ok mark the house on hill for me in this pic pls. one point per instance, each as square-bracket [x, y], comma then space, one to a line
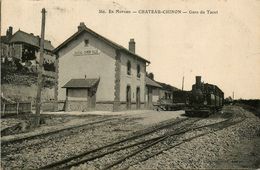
[4, 43]
[119, 73]
[25, 48]
[19, 65]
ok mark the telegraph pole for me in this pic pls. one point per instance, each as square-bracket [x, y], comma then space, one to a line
[40, 70]
[182, 83]
[1, 28]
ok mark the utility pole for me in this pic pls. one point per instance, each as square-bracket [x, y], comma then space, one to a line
[182, 83]
[40, 72]
[1, 28]
[233, 95]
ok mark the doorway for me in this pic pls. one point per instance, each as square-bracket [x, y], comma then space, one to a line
[138, 103]
[92, 98]
[128, 97]
[150, 97]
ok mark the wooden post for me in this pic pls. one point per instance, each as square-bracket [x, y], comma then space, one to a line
[17, 108]
[1, 29]
[4, 109]
[182, 83]
[31, 107]
[40, 71]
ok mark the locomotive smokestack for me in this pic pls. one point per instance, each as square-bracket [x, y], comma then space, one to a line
[198, 80]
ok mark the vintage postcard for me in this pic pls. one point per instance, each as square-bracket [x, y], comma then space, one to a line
[130, 84]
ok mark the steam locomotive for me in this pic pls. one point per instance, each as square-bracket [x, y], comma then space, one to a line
[204, 99]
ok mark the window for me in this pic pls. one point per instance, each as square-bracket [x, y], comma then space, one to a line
[86, 42]
[166, 95]
[129, 68]
[138, 71]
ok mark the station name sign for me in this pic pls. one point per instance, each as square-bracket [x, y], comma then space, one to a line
[87, 52]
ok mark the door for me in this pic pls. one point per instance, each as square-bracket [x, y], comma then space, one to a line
[92, 98]
[138, 98]
[150, 97]
[128, 97]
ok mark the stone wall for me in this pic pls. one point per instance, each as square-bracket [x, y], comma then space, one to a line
[104, 107]
[116, 104]
[61, 105]
[76, 105]
[133, 106]
[26, 93]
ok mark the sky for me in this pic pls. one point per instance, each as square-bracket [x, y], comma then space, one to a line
[223, 48]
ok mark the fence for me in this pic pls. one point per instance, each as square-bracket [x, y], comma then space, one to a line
[16, 108]
[48, 106]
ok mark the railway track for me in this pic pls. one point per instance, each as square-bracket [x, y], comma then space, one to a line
[17, 145]
[170, 141]
[53, 132]
[143, 140]
[140, 143]
[120, 143]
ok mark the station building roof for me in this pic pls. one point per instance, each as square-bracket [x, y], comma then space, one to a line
[150, 82]
[81, 83]
[84, 28]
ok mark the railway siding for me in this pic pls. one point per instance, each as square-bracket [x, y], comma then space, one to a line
[124, 158]
[62, 146]
[47, 131]
[204, 147]
[216, 150]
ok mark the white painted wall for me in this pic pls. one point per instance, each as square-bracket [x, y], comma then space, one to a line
[93, 66]
[156, 94]
[132, 79]
[78, 94]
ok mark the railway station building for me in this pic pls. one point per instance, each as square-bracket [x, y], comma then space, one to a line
[153, 90]
[166, 92]
[95, 73]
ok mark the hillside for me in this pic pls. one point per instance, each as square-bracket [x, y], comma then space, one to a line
[21, 84]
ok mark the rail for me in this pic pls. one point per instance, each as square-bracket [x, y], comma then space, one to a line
[145, 144]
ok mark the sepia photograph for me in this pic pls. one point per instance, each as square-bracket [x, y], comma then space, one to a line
[130, 84]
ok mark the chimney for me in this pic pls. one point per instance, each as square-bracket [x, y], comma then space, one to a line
[132, 45]
[9, 32]
[151, 76]
[81, 26]
[198, 80]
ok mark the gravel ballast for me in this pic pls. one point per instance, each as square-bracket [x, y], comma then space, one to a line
[219, 149]
[64, 146]
[213, 150]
